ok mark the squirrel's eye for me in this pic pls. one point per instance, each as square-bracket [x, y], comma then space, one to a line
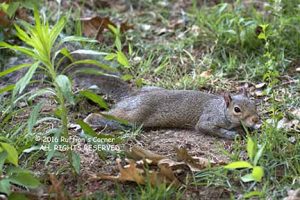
[237, 109]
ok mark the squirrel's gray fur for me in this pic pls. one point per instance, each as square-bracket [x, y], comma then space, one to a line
[155, 107]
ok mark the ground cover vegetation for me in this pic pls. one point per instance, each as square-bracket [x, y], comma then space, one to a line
[212, 46]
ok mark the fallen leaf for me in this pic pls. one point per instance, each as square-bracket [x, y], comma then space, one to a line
[195, 164]
[21, 13]
[174, 24]
[169, 176]
[4, 21]
[166, 172]
[127, 173]
[171, 163]
[94, 26]
[57, 188]
[260, 85]
[138, 153]
[132, 173]
[206, 74]
[125, 27]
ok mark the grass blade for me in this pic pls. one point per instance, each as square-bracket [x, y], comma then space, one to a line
[77, 39]
[23, 82]
[34, 116]
[14, 68]
[238, 164]
[57, 30]
[250, 148]
[76, 162]
[7, 88]
[258, 155]
[89, 131]
[95, 98]
[24, 50]
[91, 62]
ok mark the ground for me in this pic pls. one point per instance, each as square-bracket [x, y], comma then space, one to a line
[211, 46]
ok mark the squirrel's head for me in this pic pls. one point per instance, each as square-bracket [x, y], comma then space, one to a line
[240, 109]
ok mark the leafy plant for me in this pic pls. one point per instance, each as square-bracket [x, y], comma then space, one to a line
[40, 40]
[118, 55]
[254, 153]
[13, 174]
[9, 11]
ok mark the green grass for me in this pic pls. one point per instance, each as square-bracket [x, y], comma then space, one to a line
[229, 42]
[232, 30]
[226, 42]
[158, 192]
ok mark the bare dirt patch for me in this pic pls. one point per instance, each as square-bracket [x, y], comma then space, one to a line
[162, 142]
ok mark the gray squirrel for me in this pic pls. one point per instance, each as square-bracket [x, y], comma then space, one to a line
[155, 107]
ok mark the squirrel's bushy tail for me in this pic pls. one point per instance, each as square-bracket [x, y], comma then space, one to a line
[89, 75]
[111, 85]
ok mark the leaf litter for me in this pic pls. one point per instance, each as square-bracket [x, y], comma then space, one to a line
[147, 166]
[94, 26]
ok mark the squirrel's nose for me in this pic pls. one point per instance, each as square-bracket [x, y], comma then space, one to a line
[256, 122]
[255, 119]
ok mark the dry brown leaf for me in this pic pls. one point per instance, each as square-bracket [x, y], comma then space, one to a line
[169, 176]
[165, 175]
[21, 13]
[174, 24]
[125, 27]
[167, 168]
[94, 26]
[138, 153]
[127, 173]
[171, 163]
[132, 173]
[57, 188]
[4, 21]
[195, 164]
[206, 74]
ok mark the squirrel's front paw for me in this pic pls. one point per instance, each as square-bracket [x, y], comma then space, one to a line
[94, 120]
[228, 134]
[98, 121]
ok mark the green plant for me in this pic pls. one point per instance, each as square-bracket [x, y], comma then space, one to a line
[12, 174]
[41, 40]
[118, 55]
[235, 36]
[254, 152]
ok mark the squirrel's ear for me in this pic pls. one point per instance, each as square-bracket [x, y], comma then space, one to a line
[244, 92]
[227, 98]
